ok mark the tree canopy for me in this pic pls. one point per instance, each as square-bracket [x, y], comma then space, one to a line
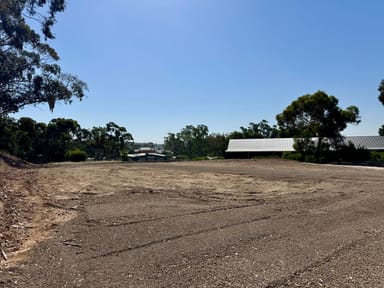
[256, 130]
[381, 130]
[53, 142]
[29, 73]
[316, 115]
[195, 141]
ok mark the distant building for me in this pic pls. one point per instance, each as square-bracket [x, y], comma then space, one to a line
[146, 150]
[147, 154]
[250, 147]
[147, 157]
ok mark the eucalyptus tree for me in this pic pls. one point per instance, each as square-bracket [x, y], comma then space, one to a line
[316, 115]
[191, 141]
[60, 138]
[109, 142]
[118, 139]
[29, 73]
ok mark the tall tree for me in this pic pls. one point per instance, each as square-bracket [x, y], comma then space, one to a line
[118, 139]
[193, 138]
[24, 139]
[28, 70]
[8, 126]
[190, 141]
[109, 142]
[60, 137]
[216, 144]
[174, 144]
[316, 115]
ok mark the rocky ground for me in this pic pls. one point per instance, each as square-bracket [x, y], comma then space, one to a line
[254, 223]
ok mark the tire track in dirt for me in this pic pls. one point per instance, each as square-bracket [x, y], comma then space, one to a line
[180, 215]
[167, 239]
[288, 280]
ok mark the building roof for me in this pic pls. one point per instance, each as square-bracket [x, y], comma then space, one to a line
[261, 145]
[286, 144]
[367, 142]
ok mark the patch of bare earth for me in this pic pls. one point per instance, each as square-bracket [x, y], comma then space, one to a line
[27, 213]
[263, 223]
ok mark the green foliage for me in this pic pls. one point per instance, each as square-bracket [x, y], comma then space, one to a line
[381, 92]
[7, 126]
[215, 145]
[293, 156]
[306, 148]
[108, 142]
[199, 159]
[174, 144]
[377, 156]
[381, 131]
[60, 134]
[316, 115]
[190, 141]
[350, 153]
[305, 152]
[194, 142]
[40, 143]
[29, 73]
[256, 130]
[23, 138]
[124, 156]
[76, 155]
[182, 157]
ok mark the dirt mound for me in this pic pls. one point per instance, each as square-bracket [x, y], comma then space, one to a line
[12, 161]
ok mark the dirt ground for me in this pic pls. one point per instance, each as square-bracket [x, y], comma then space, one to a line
[231, 223]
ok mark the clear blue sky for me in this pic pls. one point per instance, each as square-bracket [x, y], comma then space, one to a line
[155, 66]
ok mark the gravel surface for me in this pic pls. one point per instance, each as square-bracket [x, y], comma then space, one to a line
[242, 223]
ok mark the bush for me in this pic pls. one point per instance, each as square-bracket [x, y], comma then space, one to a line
[124, 156]
[350, 153]
[377, 156]
[293, 156]
[76, 155]
[182, 157]
[199, 158]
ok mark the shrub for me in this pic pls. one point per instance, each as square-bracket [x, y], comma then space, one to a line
[124, 156]
[293, 156]
[182, 157]
[199, 158]
[377, 156]
[351, 153]
[76, 155]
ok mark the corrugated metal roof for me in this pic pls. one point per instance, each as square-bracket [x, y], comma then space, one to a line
[261, 145]
[368, 142]
[286, 144]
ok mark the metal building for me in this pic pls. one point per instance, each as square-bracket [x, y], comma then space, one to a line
[279, 145]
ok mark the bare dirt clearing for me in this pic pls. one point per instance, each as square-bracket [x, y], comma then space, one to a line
[262, 223]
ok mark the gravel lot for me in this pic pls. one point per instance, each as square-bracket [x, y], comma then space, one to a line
[230, 223]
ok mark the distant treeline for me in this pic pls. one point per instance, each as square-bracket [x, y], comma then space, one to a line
[195, 141]
[62, 139]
